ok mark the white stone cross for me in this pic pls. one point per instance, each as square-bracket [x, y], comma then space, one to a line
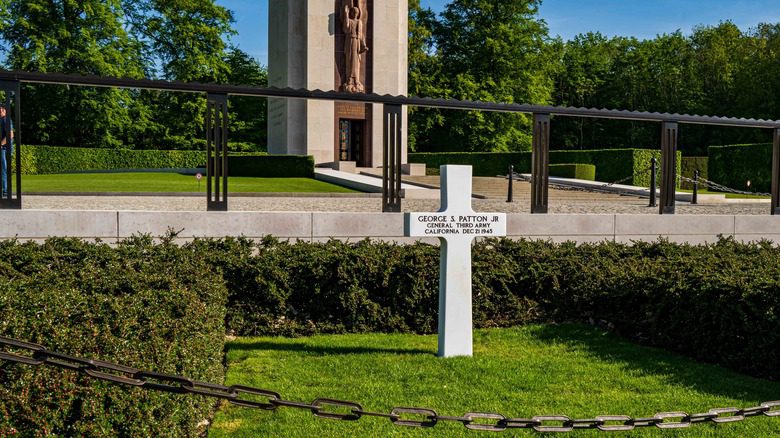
[456, 225]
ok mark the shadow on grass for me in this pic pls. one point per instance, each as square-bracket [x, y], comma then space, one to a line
[676, 368]
[304, 347]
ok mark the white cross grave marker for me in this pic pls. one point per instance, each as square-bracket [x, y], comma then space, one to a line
[456, 225]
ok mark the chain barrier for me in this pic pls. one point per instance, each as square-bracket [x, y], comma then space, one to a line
[720, 188]
[597, 189]
[342, 410]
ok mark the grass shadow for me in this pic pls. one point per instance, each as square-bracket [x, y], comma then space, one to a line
[676, 368]
[303, 347]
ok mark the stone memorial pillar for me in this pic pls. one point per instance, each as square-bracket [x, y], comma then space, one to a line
[352, 46]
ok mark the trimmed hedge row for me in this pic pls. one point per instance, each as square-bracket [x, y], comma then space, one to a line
[585, 172]
[162, 307]
[691, 164]
[37, 160]
[157, 307]
[733, 166]
[718, 303]
[611, 164]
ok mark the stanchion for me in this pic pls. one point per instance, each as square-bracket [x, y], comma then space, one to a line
[695, 197]
[653, 182]
[509, 197]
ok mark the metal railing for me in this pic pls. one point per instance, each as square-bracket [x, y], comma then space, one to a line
[393, 105]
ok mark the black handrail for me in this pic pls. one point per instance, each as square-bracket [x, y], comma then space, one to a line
[241, 90]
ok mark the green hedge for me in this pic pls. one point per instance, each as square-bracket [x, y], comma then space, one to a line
[585, 172]
[733, 166]
[691, 164]
[611, 164]
[157, 307]
[718, 303]
[161, 307]
[37, 160]
[272, 166]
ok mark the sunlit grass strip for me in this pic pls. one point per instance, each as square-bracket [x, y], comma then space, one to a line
[568, 370]
[169, 182]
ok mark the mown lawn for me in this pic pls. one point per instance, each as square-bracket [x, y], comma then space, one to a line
[728, 195]
[571, 370]
[168, 182]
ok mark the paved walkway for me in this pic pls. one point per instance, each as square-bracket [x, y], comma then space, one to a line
[626, 205]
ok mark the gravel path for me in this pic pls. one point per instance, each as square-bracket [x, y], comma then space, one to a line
[153, 203]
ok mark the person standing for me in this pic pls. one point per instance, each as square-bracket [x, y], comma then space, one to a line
[6, 146]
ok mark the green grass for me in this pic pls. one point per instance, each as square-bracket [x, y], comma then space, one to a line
[569, 370]
[168, 182]
[728, 195]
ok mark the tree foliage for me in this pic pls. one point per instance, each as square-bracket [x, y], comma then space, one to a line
[490, 50]
[180, 40]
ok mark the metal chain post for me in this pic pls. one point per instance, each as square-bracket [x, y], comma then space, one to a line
[653, 182]
[509, 196]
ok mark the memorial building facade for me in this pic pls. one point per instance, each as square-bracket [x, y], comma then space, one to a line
[353, 46]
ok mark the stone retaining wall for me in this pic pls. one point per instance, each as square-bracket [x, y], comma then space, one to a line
[316, 226]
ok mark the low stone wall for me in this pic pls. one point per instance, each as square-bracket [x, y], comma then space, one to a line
[315, 226]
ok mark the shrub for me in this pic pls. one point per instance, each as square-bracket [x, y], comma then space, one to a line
[585, 172]
[733, 166]
[719, 303]
[611, 164]
[691, 164]
[37, 160]
[154, 307]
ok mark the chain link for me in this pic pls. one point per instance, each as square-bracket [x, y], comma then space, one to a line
[720, 188]
[350, 411]
[596, 189]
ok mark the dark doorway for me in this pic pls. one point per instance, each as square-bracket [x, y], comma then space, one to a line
[351, 140]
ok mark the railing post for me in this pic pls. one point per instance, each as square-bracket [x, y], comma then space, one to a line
[217, 152]
[11, 125]
[695, 197]
[509, 196]
[653, 182]
[668, 167]
[391, 164]
[776, 172]
[540, 170]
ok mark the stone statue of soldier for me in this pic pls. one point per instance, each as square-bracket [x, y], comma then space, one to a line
[353, 14]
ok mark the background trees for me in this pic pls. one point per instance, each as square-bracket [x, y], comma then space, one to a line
[490, 50]
[501, 51]
[180, 40]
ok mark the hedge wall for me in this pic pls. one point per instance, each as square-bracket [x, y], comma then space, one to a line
[718, 303]
[38, 160]
[689, 165]
[585, 172]
[154, 307]
[162, 307]
[733, 166]
[611, 164]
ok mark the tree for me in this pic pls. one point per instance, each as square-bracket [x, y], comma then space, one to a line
[248, 115]
[68, 36]
[424, 70]
[490, 50]
[185, 40]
